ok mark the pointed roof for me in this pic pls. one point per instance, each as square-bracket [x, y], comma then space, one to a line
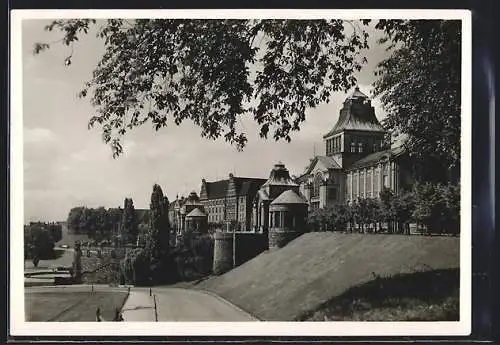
[192, 199]
[280, 176]
[196, 213]
[326, 161]
[356, 118]
[288, 197]
[357, 94]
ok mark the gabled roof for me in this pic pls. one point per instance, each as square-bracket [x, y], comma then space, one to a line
[288, 197]
[248, 185]
[217, 189]
[196, 213]
[243, 186]
[326, 161]
[375, 157]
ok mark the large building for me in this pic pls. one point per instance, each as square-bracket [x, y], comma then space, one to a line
[230, 200]
[356, 164]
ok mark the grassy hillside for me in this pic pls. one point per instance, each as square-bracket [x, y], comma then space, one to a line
[291, 282]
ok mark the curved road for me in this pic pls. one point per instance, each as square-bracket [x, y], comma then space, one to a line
[173, 304]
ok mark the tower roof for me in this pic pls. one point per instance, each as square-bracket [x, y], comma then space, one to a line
[356, 115]
[357, 94]
[288, 197]
[279, 176]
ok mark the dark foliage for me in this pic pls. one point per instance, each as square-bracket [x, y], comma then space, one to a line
[215, 72]
[419, 85]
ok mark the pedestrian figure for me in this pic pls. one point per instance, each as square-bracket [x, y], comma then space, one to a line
[118, 315]
[98, 317]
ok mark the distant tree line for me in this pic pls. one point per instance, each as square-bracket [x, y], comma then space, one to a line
[435, 207]
[40, 239]
[104, 224]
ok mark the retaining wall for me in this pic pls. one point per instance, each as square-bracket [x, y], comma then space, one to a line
[278, 238]
[247, 246]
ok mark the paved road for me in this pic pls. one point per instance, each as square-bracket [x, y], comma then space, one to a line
[173, 304]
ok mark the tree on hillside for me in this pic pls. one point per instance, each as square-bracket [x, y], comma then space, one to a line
[39, 244]
[451, 197]
[102, 223]
[214, 72]
[429, 206]
[74, 219]
[385, 207]
[402, 208]
[129, 221]
[420, 85]
[55, 231]
[159, 236]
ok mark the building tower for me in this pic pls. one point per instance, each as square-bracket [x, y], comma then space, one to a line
[357, 132]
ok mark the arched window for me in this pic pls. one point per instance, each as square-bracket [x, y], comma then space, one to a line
[386, 175]
[318, 179]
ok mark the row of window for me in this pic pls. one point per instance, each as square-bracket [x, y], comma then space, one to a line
[360, 147]
[361, 184]
[334, 145]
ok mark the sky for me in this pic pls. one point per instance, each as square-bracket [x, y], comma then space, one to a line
[67, 165]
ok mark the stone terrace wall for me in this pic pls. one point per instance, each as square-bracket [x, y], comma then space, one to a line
[248, 245]
[223, 252]
[279, 238]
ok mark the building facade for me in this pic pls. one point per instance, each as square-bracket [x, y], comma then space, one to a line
[356, 163]
[230, 200]
[280, 215]
[187, 214]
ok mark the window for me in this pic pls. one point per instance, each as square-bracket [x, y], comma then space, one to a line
[277, 219]
[369, 183]
[362, 184]
[353, 147]
[376, 178]
[355, 186]
[349, 186]
[360, 147]
[332, 193]
[288, 220]
[316, 185]
[386, 176]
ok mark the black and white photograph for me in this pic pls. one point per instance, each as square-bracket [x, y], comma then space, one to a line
[241, 172]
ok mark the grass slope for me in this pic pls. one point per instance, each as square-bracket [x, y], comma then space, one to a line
[285, 284]
[72, 306]
[421, 296]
